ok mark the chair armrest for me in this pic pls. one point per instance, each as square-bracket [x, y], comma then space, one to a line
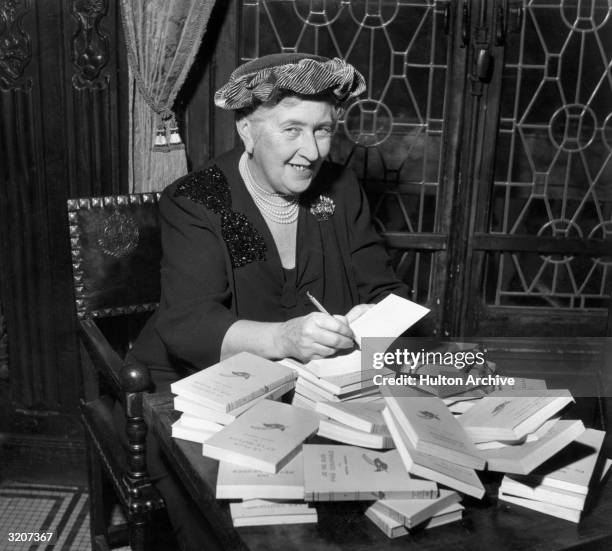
[108, 363]
[105, 360]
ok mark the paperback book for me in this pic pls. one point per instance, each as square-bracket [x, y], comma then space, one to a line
[412, 512]
[266, 439]
[194, 409]
[553, 509]
[524, 458]
[366, 417]
[239, 482]
[180, 430]
[394, 529]
[328, 428]
[349, 473]
[566, 478]
[510, 417]
[433, 467]
[389, 318]
[233, 382]
[260, 512]
[431, 427]
[575, 467]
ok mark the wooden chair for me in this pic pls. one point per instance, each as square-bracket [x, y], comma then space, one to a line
[116, 252]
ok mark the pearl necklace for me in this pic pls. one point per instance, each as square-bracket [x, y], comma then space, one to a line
[274, 206]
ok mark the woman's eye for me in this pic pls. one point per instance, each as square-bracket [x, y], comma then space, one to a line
[323, 132]
[292, 131]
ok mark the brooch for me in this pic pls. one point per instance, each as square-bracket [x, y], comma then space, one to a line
[322, 208]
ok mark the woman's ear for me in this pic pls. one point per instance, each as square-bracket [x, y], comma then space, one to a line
[245, 130]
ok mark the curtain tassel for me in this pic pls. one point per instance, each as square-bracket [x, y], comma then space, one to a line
[160, 137]
[167, 135]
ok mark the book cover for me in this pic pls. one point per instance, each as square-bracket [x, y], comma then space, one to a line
[179, 430]
[266, 439]
[572, 469]
[390, 527]
[337, 384]
[521, 384]
[239, 482]
[199, 423]
[412, 512]
[433, 467]
[261, 513]
[194, 409]
[394, 529]
[366, 417]
[349, 473]
[303, 402]
[546, 494]
[531, 437]
[554, 509]
[547, 508]
[431, 427]
[452, 513]
[357, 392]
[328, 428]
[360, 379]
[340, 364]
[524, 458]
[510, 417]
[233, 382]
[389, 318]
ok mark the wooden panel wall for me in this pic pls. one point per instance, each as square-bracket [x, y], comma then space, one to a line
[63, 133]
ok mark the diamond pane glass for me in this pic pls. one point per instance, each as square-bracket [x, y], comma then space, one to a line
[553, 172]
[392, 135]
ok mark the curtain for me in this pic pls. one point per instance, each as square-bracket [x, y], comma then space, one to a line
[162, 40]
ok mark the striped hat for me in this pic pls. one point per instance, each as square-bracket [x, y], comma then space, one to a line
[261, 79]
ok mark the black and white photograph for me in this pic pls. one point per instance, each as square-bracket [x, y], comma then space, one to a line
[311, 275]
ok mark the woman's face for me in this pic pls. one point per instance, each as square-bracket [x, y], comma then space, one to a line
[287, 143]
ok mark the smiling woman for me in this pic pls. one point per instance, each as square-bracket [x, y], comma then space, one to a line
[246, 239]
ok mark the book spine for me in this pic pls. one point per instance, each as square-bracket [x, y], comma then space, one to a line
[387, 530]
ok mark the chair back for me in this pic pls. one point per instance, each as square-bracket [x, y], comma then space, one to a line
[116, 252]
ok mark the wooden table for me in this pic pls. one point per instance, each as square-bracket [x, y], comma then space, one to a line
[487, 524]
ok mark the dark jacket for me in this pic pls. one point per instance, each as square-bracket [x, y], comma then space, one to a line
[220, 263]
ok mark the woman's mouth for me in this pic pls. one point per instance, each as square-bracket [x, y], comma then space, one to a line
[300, 168]
[303, 171]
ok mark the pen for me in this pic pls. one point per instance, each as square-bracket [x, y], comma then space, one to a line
[317, 304]
[322, 309]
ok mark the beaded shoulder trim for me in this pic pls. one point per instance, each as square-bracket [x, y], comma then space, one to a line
[209, 187]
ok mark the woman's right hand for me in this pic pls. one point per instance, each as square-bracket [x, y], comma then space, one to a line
[313, 336]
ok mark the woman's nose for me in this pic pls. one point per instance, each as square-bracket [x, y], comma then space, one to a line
[309, 148]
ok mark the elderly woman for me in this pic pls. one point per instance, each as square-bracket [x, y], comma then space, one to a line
[248, 236]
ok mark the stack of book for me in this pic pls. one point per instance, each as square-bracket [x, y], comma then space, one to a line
[395, 517]
[260, 512]
[337, 379]
[517, 433]
[218, 395]
[266, 498]
[431, 442]
[356, 423]
[244, 483]
[562, 485]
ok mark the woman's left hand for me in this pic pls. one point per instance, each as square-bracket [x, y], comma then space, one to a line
[357, 311]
